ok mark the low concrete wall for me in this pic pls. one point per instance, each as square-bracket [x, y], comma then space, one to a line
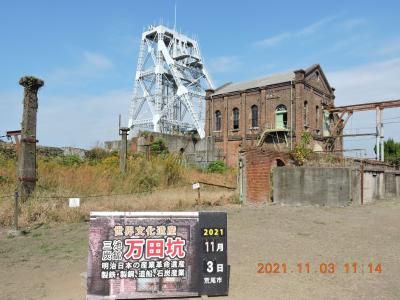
[193, 150]
[390, 184]
[305, 185]
[333, 186]
[397, 184]
[374, 186]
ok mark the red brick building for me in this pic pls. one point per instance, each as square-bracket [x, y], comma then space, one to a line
[273, 111]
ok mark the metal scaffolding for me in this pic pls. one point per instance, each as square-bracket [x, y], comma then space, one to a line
[170, 83]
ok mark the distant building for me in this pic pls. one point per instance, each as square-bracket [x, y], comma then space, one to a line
[274, 110]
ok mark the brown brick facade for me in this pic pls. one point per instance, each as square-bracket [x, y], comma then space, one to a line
[257, 164]
[304, 96]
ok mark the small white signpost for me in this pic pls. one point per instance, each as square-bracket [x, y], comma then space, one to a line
[74, 202]
[196, 186]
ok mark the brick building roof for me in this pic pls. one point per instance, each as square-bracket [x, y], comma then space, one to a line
[260, 82]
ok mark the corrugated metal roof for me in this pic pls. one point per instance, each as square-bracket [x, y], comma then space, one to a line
[260, 82]
[245, 85]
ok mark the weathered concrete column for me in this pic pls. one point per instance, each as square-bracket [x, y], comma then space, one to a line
[26, 172]
[123, 132]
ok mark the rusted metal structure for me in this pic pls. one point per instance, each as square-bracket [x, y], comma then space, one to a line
[345, 112]
[16, 134]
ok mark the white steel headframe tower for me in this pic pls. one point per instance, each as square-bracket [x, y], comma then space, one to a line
[171, 79]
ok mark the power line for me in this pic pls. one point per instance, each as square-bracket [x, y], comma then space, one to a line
[392, 122]
[361, 139]
[391, 118]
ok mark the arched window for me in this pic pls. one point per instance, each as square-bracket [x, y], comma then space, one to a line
[281, 117]
[280, 163]
[254, 116]
[236, 118]
[217, 120]
[305, 113]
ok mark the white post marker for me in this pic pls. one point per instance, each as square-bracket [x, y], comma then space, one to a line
[196, 185]
[74, 202]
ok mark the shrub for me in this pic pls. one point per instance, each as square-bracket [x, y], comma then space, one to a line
[217, 166]
[172, 169]
[159, 147]
[96, 154]
[70, 160]
[301, 151]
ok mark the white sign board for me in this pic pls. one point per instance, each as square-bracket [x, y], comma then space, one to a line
[74, 202]
[196, 186]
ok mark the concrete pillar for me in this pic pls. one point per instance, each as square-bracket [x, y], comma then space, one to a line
[123, 132]
[26, 172]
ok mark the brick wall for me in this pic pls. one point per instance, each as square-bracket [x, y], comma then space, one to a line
[257, 165]
[307, 87]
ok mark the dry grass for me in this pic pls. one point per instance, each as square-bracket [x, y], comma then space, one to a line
[40, 210]
[160, 184]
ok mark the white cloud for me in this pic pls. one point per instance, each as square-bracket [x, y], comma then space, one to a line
[301, 33]
[82, 120]
[79, 120]
[93, 65]
[274, 40]
[390, 48]
[372, 82]
[352, 23]
[97, 61]
[314, 27]
[356, 43]
[10, 111]
[224, 64]
[375, 81]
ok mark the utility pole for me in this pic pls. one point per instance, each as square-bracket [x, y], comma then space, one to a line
[123, 132]
[26, 172]
[382, 136]
[378, 133]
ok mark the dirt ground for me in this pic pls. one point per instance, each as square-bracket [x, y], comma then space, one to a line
[50, 262]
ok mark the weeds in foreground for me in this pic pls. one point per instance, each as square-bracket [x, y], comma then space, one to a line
[156, 184]
[41, 210]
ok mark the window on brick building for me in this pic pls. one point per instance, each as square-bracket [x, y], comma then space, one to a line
[236, 118]
[217, 120]
[305, 113]
[281, 117]
[317, 117]
[254, 116]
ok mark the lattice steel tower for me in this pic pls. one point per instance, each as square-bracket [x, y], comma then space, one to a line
[170, 83]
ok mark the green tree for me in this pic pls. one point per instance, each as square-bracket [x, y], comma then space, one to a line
[392, 152]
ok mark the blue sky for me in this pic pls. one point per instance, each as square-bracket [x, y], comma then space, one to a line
[86, 52]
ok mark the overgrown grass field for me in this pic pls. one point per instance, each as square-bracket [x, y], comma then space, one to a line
[162, 182]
